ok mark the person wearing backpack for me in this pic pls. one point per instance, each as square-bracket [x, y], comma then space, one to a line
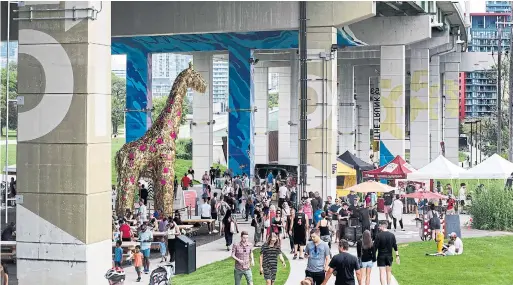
[434, 220]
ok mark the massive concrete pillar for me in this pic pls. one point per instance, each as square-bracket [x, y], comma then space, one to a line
[241, 115]
[322, 110]
[138, 94]
[362, 91]
[434, 107]
[419, 108]
[450, 82]
[202, 125]
[392, 85]
[294, 110]
[284, 116]
[64, 225]
[346, 109]
[261, 116]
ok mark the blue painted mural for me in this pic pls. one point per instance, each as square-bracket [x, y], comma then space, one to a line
[241, 97]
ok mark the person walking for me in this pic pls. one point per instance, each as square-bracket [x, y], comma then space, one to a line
[318, 253]
[384, 243]
[230, 227]
[324, 228]
[397, 212]
[243, 255]
[269, 254]
[205, 214]
[299, 228]
[367, 256]
[213, 211]
[258, 224]
[205, 179]
[388, 199]
[146, 237]
[172, 232]
[345, 264]
[434, 220]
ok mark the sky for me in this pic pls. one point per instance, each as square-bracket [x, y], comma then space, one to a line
[477, 6]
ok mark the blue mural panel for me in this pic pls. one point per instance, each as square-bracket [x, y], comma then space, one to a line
[239, 47]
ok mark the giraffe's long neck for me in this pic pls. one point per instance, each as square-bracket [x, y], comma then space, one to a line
[172, 110]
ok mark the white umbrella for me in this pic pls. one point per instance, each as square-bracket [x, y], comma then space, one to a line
[371, 186]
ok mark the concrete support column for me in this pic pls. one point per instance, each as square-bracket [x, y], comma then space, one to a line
[284, 116]
[434, 107]
[346, 109]
[323, 107]
[362, 91]
[451, 113]
[64, 225]
[392, 85]
[202, 126]
[294, 110]
[419, 108]
[262, 114]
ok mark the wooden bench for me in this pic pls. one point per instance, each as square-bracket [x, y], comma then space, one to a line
[197, 221]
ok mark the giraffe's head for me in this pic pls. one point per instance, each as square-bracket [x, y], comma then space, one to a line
[195, 80]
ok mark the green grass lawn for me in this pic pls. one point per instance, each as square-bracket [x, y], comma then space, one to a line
[485, 261]
[221, 273]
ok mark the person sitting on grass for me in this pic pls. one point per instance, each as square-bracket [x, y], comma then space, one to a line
[448, 250]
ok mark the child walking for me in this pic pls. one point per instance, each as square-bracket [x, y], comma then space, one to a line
[163, 250]
[118, 254]
[138, 258]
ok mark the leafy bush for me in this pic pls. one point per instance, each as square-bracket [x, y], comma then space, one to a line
[184, 149]
[492, 209]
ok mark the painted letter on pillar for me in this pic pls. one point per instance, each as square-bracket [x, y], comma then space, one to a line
[392, 87]
[375, 95]
[138, 94]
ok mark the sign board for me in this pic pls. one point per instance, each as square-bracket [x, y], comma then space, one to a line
[334, 168]
[189, 197]
[20, 100]
[452, 224]
[19, 199]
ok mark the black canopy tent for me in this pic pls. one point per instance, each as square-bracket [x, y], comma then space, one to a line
[356, 163]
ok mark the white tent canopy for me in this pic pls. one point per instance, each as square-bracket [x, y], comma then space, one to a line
[494, 167]
[440, 168]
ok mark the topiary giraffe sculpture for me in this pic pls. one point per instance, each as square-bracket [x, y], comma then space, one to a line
[155, 152]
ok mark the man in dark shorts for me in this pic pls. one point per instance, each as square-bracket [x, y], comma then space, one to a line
[213, 211]
[384, 243]
[299, 228]
[410, 202]
[346, 265]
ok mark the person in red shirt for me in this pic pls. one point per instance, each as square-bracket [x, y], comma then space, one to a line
[450, 205]
[126, 231]
[185, 182]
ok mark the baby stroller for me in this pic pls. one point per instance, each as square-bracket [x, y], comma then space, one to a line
[162, 275]
[115, 276]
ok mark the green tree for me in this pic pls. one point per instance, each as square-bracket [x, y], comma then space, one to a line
[13, 93]
[159, 103]
[118, 102]
[273, 99]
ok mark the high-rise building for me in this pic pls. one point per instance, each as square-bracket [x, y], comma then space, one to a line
[498, 6]
[220, 84]
[478, 88]
[164, 69]
[13, 53]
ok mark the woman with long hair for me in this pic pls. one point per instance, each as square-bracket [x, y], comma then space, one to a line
[230, 227]
[270, 217]
[277, 224]
[366, 256]
[172, 232]
[269, 254]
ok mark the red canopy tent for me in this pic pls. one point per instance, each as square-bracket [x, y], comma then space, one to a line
[398, 168]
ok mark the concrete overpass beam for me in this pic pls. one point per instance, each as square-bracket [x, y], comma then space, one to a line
[322, 109]
[339, 13]
[64, 225]
[393, 99]
[401, 30]
[262, 114]
[202, 107]
[419, 107]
